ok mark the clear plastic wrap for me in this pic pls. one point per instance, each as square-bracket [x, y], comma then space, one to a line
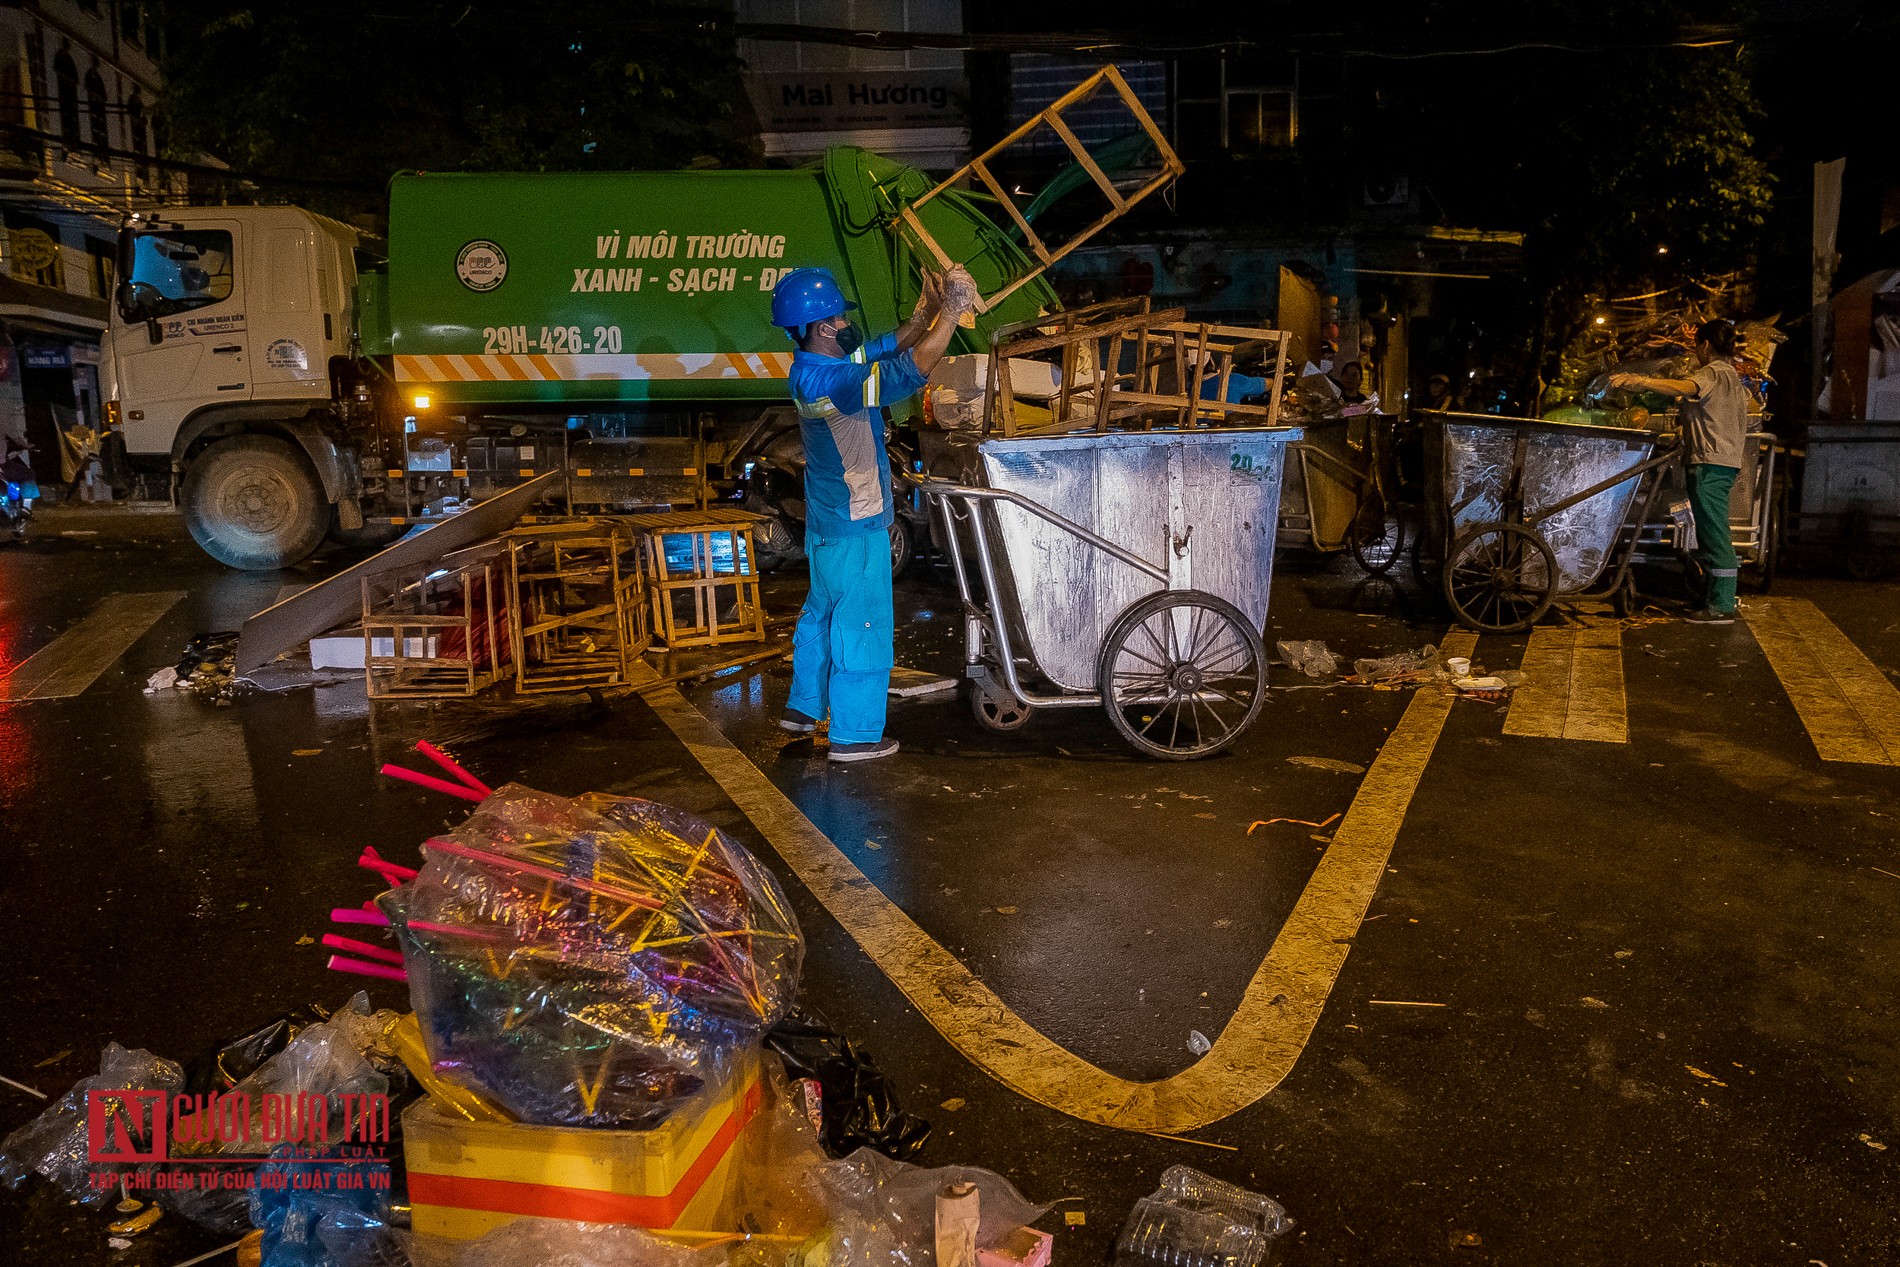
[1310, 656]
[1196, 1220]
[884, 1212]
[776, 1196]
[54, 1143]
[534, 1242]
[594, 960]
[335, 1058]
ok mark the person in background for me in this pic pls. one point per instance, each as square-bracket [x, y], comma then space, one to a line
[841, 382]
[1437, 394]
[1714, 421]
[1351, 379]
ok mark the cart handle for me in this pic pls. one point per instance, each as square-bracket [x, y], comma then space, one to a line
[935, 487]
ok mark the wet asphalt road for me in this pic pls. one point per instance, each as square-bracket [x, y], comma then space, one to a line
[1668, 1032]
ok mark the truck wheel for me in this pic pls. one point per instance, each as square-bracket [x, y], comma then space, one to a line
[252, 502]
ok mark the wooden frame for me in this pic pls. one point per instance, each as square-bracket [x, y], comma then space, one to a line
[1119, 203]
[1173, 360]
[703, 584]
[578, 620]
[419, 604]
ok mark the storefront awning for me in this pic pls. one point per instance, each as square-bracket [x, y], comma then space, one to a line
[43, 310]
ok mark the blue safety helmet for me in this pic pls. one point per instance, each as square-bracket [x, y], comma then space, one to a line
[805, 295]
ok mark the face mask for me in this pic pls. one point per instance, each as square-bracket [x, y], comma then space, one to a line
[849, 339]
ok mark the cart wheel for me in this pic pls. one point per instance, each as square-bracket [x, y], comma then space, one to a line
[902, 547]
[1182, 674]
[1770, 558]
[1377, 537]
[1866, 561]
[1625, 601]
[996, 710]
[1500, 578]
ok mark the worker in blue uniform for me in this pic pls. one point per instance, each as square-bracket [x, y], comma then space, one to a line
[840, 383]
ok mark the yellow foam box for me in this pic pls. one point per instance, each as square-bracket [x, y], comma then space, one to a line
[468, 1178]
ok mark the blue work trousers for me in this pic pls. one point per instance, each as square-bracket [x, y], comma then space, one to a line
[842, 651]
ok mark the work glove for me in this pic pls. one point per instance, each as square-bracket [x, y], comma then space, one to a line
[959, 291]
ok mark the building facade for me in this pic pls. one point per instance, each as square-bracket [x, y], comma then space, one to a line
[79, 83]
[912, 105]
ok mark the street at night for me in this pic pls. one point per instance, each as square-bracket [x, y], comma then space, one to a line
[841, 633]
[1595, 984]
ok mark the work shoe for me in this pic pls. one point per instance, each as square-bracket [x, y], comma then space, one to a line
[1703, 616]
[798, 723]
[863, 751]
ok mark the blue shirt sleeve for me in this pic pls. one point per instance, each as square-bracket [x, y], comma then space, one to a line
[884, 377]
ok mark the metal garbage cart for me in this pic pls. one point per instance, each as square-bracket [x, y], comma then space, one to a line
[1340, 491]
[1529, 511]
[1128, 570]
[1850, 494]
[1757, 515]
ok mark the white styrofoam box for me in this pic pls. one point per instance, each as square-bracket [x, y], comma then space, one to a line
[344, 649]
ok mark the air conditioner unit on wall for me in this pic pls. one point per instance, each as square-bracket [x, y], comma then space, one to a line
[1387, 191]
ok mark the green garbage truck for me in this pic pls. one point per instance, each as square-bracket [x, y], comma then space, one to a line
[295, 383]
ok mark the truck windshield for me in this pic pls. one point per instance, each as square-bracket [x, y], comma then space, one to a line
[179, 269]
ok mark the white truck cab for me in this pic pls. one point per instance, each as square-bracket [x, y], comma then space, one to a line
[218, 363]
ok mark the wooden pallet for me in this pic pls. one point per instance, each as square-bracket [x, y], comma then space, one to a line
[706, 594]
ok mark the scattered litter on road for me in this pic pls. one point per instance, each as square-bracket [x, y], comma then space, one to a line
[1006, 910]
[55, 1058]
[306, 752]
[1183, 1139]
[1310, 657]
[1406, 666]
[954, 1104]
[912, 683]
[164, 679]
[1405, 1003]
[1871, 1142]
[1591, 1002]
[1624, 954]
[1197, 1043]
[1884, 871]
[21, 1086]
[137, 1223]
[1196, 1218]
[1705, 1075]
[1075, 1218]
[1327, 763]
[1299, 822]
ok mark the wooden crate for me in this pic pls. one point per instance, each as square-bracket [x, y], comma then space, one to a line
[580, 617]
[446, 628]
[706, 593]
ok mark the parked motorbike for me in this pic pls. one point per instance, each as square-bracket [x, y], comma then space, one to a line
[772, 483]
[18, 492]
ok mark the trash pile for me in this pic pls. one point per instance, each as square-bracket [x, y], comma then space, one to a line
[604, 1065]
[1405, 668]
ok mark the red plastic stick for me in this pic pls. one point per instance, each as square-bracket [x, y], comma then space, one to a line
[432, 783]
[363, 968]
[373, 861]
[356, 915]
[448, 763]
[356, 947]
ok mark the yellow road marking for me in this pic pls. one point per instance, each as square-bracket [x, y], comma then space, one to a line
[1573, 687]
[70, 663]
[1268, 1030]
[1850, 709]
